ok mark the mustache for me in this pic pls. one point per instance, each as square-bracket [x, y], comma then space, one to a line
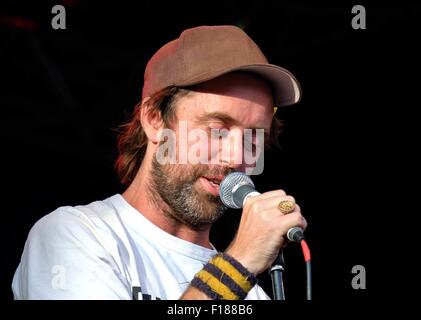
[206, 171]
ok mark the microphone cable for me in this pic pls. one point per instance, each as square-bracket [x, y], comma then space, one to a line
[296, 234]
[307, 259]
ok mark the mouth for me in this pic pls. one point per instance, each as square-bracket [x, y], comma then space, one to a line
[211, 184]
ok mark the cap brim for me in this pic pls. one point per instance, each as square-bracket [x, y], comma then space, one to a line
[286, 88]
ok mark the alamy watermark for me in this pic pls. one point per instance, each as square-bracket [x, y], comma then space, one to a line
[58, 280]
[214, 146]
[359, 20]
[359, 280]
[59, 20]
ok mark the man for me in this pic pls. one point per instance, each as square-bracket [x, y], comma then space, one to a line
[152, 242]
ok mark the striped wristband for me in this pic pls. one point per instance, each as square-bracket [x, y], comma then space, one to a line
[224, 278]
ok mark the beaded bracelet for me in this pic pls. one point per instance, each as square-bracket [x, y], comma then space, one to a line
[224, 278]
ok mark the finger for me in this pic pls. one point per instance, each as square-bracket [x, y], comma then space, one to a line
[269, 194]
[291, 220]
[265, 204]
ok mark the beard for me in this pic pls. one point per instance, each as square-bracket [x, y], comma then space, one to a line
[176, 185]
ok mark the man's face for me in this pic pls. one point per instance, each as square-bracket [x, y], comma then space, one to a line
[228, 105]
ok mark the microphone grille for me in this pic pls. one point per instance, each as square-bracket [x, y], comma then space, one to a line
[230, 184]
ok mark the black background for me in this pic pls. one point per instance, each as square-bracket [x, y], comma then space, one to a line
[63, 91]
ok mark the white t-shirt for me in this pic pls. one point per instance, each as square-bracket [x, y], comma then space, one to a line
[107, 250]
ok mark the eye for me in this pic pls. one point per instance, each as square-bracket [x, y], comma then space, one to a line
[218, 130]
[216, 126]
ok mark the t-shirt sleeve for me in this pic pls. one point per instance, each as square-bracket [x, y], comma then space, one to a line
[257, 293]
[63, 258]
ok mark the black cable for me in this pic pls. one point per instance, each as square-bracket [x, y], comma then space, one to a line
[309, 280]
[307, 259]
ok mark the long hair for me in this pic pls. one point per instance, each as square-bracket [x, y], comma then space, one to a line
[132, 140]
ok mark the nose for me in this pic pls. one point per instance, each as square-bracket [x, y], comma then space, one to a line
[231, 150]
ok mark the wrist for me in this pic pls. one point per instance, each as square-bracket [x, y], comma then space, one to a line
[224, 278]
[243, 260]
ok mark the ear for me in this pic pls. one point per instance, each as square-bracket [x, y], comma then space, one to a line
[151, 121]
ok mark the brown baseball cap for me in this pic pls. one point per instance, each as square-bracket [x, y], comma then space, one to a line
[206, 52]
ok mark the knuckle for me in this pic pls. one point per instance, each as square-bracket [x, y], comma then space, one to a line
[302, 221]
[276, 193]
[282, 192]
[249, 203]
[255, 206]
[290, 198]
[299, 218]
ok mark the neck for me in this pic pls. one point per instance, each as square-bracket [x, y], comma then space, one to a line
[138, 196]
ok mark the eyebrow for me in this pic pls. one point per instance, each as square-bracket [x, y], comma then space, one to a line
[216, 115]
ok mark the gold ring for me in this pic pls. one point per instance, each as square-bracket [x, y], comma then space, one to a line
[286, 206]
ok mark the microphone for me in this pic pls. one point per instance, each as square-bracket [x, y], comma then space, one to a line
[234, 191]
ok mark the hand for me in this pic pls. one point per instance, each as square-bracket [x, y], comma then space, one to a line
[262, 230]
